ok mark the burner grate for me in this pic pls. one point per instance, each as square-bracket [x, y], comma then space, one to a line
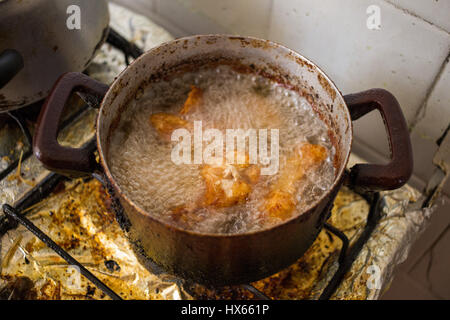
[14, 215]
[346, 257]
[129, 49]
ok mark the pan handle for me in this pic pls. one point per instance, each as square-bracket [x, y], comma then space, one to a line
[65, 160]
[398, 171]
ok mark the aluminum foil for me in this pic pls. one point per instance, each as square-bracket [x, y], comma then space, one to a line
[388, 246]
[372, 271]
[78, 217]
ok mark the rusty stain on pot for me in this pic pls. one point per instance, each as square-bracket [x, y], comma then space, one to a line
[211, 41]
[300, 61]
[255, 43]
[326, 86]
[244, 41]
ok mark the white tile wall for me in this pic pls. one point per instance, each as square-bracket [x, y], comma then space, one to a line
[144, 7]
[190, 18]
[434, 11]
[184, 17]
[435, 116]
[148, 8]
[405, 56]
[249, 17]
[433, 121]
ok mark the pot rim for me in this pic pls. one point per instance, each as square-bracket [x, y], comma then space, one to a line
[307, 211]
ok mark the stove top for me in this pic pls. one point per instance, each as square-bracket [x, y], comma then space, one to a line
[354, 256]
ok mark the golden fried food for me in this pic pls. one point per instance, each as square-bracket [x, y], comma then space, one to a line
[166, 123]
[229, 184]
[279, 204]
[281, 200]
[224, 186]
[193, 99]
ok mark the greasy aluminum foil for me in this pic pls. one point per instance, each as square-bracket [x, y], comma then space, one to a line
[78, 217]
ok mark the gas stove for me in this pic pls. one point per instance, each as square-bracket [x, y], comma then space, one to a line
[60, 239]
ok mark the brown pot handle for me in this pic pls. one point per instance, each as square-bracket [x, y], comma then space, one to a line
[398, 171]
[69, 161]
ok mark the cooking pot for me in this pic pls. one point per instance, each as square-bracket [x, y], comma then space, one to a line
[221, 259]
[34, 35]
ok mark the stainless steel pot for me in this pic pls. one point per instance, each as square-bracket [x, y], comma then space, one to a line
[237, 258]
[37, 30]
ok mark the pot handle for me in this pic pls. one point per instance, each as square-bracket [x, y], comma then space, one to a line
[55, 157]
[397, 172]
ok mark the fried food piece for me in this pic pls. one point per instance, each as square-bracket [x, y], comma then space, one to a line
[224, 186]
[304, 157]
[279, 204]
[229, 184]
[193, 99]
[166, 123]
[281, 201]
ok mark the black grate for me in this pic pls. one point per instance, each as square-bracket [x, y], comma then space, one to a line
[15, 216]
[346, 258]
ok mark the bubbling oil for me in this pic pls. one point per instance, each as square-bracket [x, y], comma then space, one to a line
[141, 161]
